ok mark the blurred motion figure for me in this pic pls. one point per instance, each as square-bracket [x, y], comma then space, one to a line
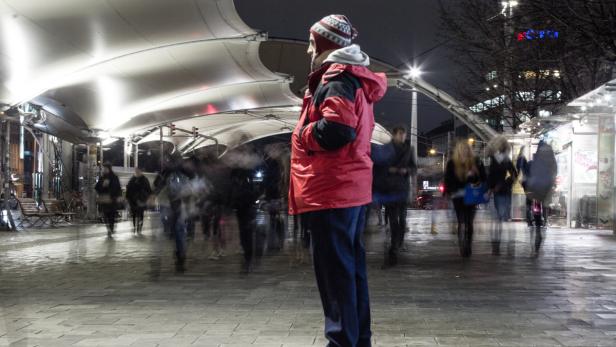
[138, 192]
[109, 197]
[500, 182]
[463, 169]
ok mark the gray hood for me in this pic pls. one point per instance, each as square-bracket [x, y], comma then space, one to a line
[351, 55]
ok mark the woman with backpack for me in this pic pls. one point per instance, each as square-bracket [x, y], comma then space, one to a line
[464, 174]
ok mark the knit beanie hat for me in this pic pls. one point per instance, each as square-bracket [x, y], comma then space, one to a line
[333, 32]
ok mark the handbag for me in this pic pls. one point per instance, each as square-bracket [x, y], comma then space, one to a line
[475, 194]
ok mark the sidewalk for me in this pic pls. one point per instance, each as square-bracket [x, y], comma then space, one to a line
[72, 286]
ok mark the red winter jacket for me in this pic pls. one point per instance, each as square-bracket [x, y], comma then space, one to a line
[330, 159]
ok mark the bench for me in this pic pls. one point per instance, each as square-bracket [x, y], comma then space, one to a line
[55, 208]
[32, 214]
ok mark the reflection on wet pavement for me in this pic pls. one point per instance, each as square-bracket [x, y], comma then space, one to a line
[73, 286]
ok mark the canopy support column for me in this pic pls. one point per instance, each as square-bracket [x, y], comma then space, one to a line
[10, 224]
[90, 180]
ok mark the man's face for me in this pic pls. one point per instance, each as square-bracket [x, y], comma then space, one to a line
[312, 52]
[400, 137]
[138, 172]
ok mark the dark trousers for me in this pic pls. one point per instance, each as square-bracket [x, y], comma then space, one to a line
[465, 215]
[211, 218]
[246, 221]
[397, 224]
[529, 213]
[137, 213]
[340, 268]
[178, 227]
[109, 216]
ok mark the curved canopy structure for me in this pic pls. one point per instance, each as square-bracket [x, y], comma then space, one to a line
[122, 66]
[98, 68]
[229, 128]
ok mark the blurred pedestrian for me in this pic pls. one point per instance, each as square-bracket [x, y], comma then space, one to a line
[160, 191]
[463, 172]
[523, 167]
[243, 162]
[500, 183]
[392, 182]
[173, 184]
[331, 174]
[138, 192]
[273, 185]
[109, 197]
[542, 176]
[214, 173]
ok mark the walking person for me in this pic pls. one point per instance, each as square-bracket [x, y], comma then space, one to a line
[331, 174]
[398, 178]
[463, 169]
[539, 187]
[212, 203]
[500, 183]
[523, 167]
[244, 193]
[173, 186]
[542, 177]
[138, 192]
[392, 182]
[109, 197]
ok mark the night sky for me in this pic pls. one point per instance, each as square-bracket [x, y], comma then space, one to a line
[392, 31]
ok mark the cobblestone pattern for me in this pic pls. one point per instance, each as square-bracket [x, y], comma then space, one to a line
[73, 287]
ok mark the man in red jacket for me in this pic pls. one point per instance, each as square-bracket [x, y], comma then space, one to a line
[331, 174]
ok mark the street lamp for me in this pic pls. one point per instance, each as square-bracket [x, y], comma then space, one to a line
[413, 74]
[471, 141]
[434, 151]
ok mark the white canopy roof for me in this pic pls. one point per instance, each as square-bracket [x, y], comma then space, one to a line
[121, 66]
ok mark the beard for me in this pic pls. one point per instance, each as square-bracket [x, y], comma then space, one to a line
[314, 65]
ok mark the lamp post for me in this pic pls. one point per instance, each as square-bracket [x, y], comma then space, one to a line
[433, 231]
[433, 151]
[414, 73]
[509, 32]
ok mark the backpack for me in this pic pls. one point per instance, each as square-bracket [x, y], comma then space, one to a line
[542, 174]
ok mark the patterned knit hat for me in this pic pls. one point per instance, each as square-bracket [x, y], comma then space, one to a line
[333, 32]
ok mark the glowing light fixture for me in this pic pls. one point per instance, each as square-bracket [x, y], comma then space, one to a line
[414, 72]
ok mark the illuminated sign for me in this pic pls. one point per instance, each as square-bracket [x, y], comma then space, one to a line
[532, 34]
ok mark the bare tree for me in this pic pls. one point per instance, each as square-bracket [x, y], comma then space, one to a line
[516, 63]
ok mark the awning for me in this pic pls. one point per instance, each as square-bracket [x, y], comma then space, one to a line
[121, 66]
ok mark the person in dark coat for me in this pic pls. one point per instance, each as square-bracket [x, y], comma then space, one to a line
[392, 183]
[523, 167]
[216, 175]
[500, 183]
[138, 192]
[173, 187]
[244, 193]
[109, 193]
[463, 168]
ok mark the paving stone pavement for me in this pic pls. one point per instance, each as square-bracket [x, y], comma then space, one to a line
[73, 287]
